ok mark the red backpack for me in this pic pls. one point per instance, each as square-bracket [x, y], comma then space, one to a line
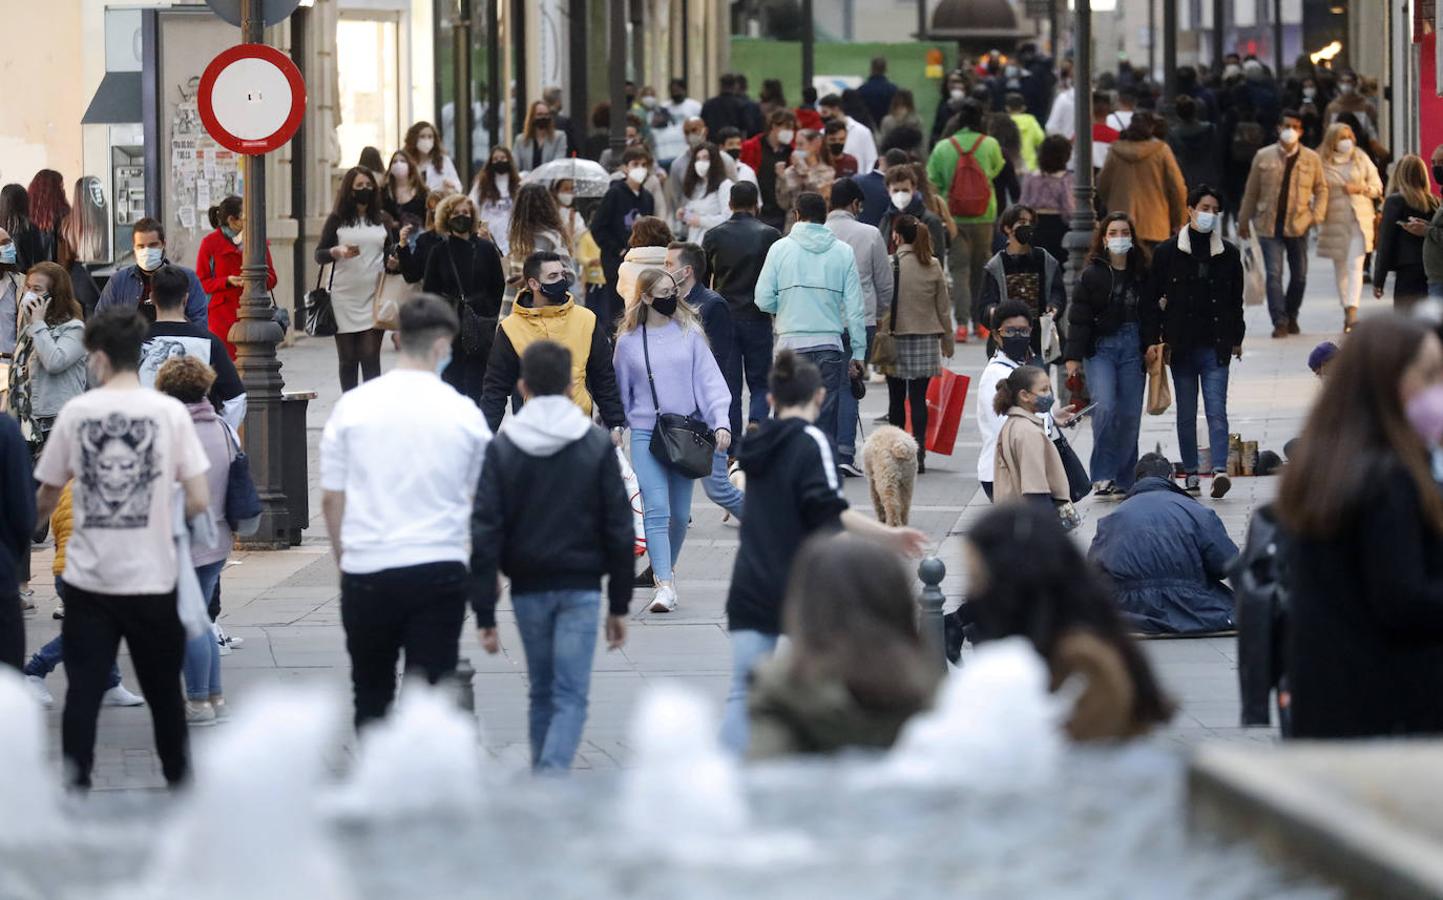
[971, 190]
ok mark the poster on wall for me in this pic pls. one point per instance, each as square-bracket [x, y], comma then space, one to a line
[202, 172]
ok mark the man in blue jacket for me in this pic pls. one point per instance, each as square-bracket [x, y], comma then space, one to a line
[1168, 555]
[130, 287]
[810, 283]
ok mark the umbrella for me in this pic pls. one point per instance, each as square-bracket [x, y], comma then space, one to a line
[590, 178]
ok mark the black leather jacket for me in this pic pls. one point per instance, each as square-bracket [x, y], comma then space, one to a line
[735, 251]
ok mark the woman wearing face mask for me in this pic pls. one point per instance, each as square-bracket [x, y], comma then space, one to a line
[1361, 505]
[1350, 100]
[663, 365]
[708, 194]
[536, 226]
[645, 249]
[539, 141]
[810, 170]
[1407, 210]
[218, 265]
[1346, 233]
[493, 194]
[1027, 465]
[1105, 330]
[921, 321]
[404, 193]
[354, 250]
[466, 270]
[954, 92]
[49, 364]
[563, 191]
[426, 155]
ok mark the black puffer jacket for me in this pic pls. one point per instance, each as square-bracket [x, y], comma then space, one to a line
[1092, 314]
[1204, 297]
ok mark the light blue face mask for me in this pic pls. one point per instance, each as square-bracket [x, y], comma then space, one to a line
[150, 258]
[1206, 222]
[443, 362]
[7, 255]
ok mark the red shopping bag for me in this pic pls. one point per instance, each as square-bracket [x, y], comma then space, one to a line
[946, 396]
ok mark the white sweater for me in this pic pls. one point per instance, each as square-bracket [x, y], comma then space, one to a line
[406, 450]
[989, 423]
[713, 209]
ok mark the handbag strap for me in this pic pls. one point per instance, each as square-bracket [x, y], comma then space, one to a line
[650, 379]
[451, 258]
[896, 291]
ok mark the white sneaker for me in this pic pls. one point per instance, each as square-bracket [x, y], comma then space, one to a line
[119, 696]
[222, 710]
[39, 690]
[663, 601]
[199, 714]
[234, 643]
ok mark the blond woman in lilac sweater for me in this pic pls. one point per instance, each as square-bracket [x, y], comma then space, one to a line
[688, 382]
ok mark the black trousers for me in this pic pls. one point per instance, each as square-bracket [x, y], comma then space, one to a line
[92, 629]
[418, 609]
[899, 391]
[12, 629]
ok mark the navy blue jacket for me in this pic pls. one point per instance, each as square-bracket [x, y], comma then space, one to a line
[128, 285]
[1167, 555]
[716, 321]
[17, 504]
[875, 199]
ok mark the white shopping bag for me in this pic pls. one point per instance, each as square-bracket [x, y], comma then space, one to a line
[633, 492]
[1255, 278]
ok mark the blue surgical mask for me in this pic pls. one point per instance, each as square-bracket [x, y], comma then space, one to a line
[1206, 222]
[150, 258]
[1043, 403]
[1119, 245]
[443, 362]
[229, 232]
[7, 255]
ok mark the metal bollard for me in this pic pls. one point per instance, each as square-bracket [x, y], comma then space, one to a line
[932, 571]
[465, 684]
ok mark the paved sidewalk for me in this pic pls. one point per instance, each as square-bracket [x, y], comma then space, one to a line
[284, 604]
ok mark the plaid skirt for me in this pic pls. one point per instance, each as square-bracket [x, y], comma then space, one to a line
[918, 356]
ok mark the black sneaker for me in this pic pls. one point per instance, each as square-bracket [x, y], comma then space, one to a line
[1192, 485]
[850, 470]
[645, 579]
[1221, 485]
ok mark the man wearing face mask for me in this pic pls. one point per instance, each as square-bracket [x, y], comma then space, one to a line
[730, 141]
[544, 310]
[130, 287]
[762, 153]
[904, 199]
[1286, 195]
[626, 200]
[860, 142]
[844, 163]
[1350, 99]
[956, 92]
[1433, 237]
[1194, 302]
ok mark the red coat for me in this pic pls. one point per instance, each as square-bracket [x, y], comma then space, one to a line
[809, 118]
[752, 150]
[217, 259]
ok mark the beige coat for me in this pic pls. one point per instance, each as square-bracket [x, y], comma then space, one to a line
[1142, 179]
[1027, 462]
[1307, 193]
[923, 305]
[1344, 209]
[636, 261]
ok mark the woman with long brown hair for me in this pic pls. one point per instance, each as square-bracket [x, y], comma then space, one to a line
[404, 192]
[1364, 517]
[706, 193]
[49, 366]
[355, 244]
[493, 194]
[920, 322]
[1407, 210]
[540, 141]
[426, 155]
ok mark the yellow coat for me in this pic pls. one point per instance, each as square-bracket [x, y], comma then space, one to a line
[569, 325]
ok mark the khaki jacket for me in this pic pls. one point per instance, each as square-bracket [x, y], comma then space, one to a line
[923, 304]
[1307, 193]
[1142, 179]
[1027, 462]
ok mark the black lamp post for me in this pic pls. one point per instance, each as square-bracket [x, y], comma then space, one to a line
[1079, 236]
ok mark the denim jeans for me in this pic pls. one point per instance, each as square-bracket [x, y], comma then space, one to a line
[1199, 367]
[1116, 379]
[847, 408]
[666, 505]
[748, 649]
[1435, 290]
[53, 654]
[833, 365]
[558, 633]
[719, 488]
[751, 357]
[1283, 306]
[202, 653]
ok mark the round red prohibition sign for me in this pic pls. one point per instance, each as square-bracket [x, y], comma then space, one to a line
[252, 99]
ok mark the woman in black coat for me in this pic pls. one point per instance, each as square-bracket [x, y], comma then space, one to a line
[1365, 555]
[466, 270]
[1407, 210]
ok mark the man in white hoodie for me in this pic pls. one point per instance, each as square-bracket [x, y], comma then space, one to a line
[552, 513]
[400, 458]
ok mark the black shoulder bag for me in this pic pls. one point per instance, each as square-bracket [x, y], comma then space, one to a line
[683, 443]
[474, 326]
[320, 314]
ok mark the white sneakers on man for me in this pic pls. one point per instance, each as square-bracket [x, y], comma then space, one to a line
[664, 600]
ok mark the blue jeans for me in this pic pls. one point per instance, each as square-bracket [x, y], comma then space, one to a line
[751, 355]
[1435, 291]
[719, 488]
[1199, 367]
[558, 633]
[1116, 379]
[666, 505]
[52, 654]
[1283, 306]
[748, 649]
[202, 652]
[833, 365]
[847, 409]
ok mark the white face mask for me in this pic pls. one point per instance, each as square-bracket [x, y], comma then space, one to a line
[565, 198]
[636, 174]
[957, 94]
[1206, 222]
[1345, 147]
[901, 199]
[702, 166]
[1309, 93]
[150, 258]
[648, 101]
[400, 168]
[1346, 87]
[1289, 136]
[694, 139]
[1119, 245]
[785, 136]
[425, 145]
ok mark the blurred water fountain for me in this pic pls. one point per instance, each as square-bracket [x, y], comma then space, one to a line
[29, 794]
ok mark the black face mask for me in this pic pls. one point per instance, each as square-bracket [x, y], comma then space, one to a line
[836, 148]
[677, 98]
[543, 121]
[363, 196]
[736, 153]
[1023, 234]
[664, 305]
[461, 224]
[556, 290]
[1017, 348]
[498, 168]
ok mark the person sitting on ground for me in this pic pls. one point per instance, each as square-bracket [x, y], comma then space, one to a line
[1168, 555]
[1027, 578]
[856, 669]
[1320, 357]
